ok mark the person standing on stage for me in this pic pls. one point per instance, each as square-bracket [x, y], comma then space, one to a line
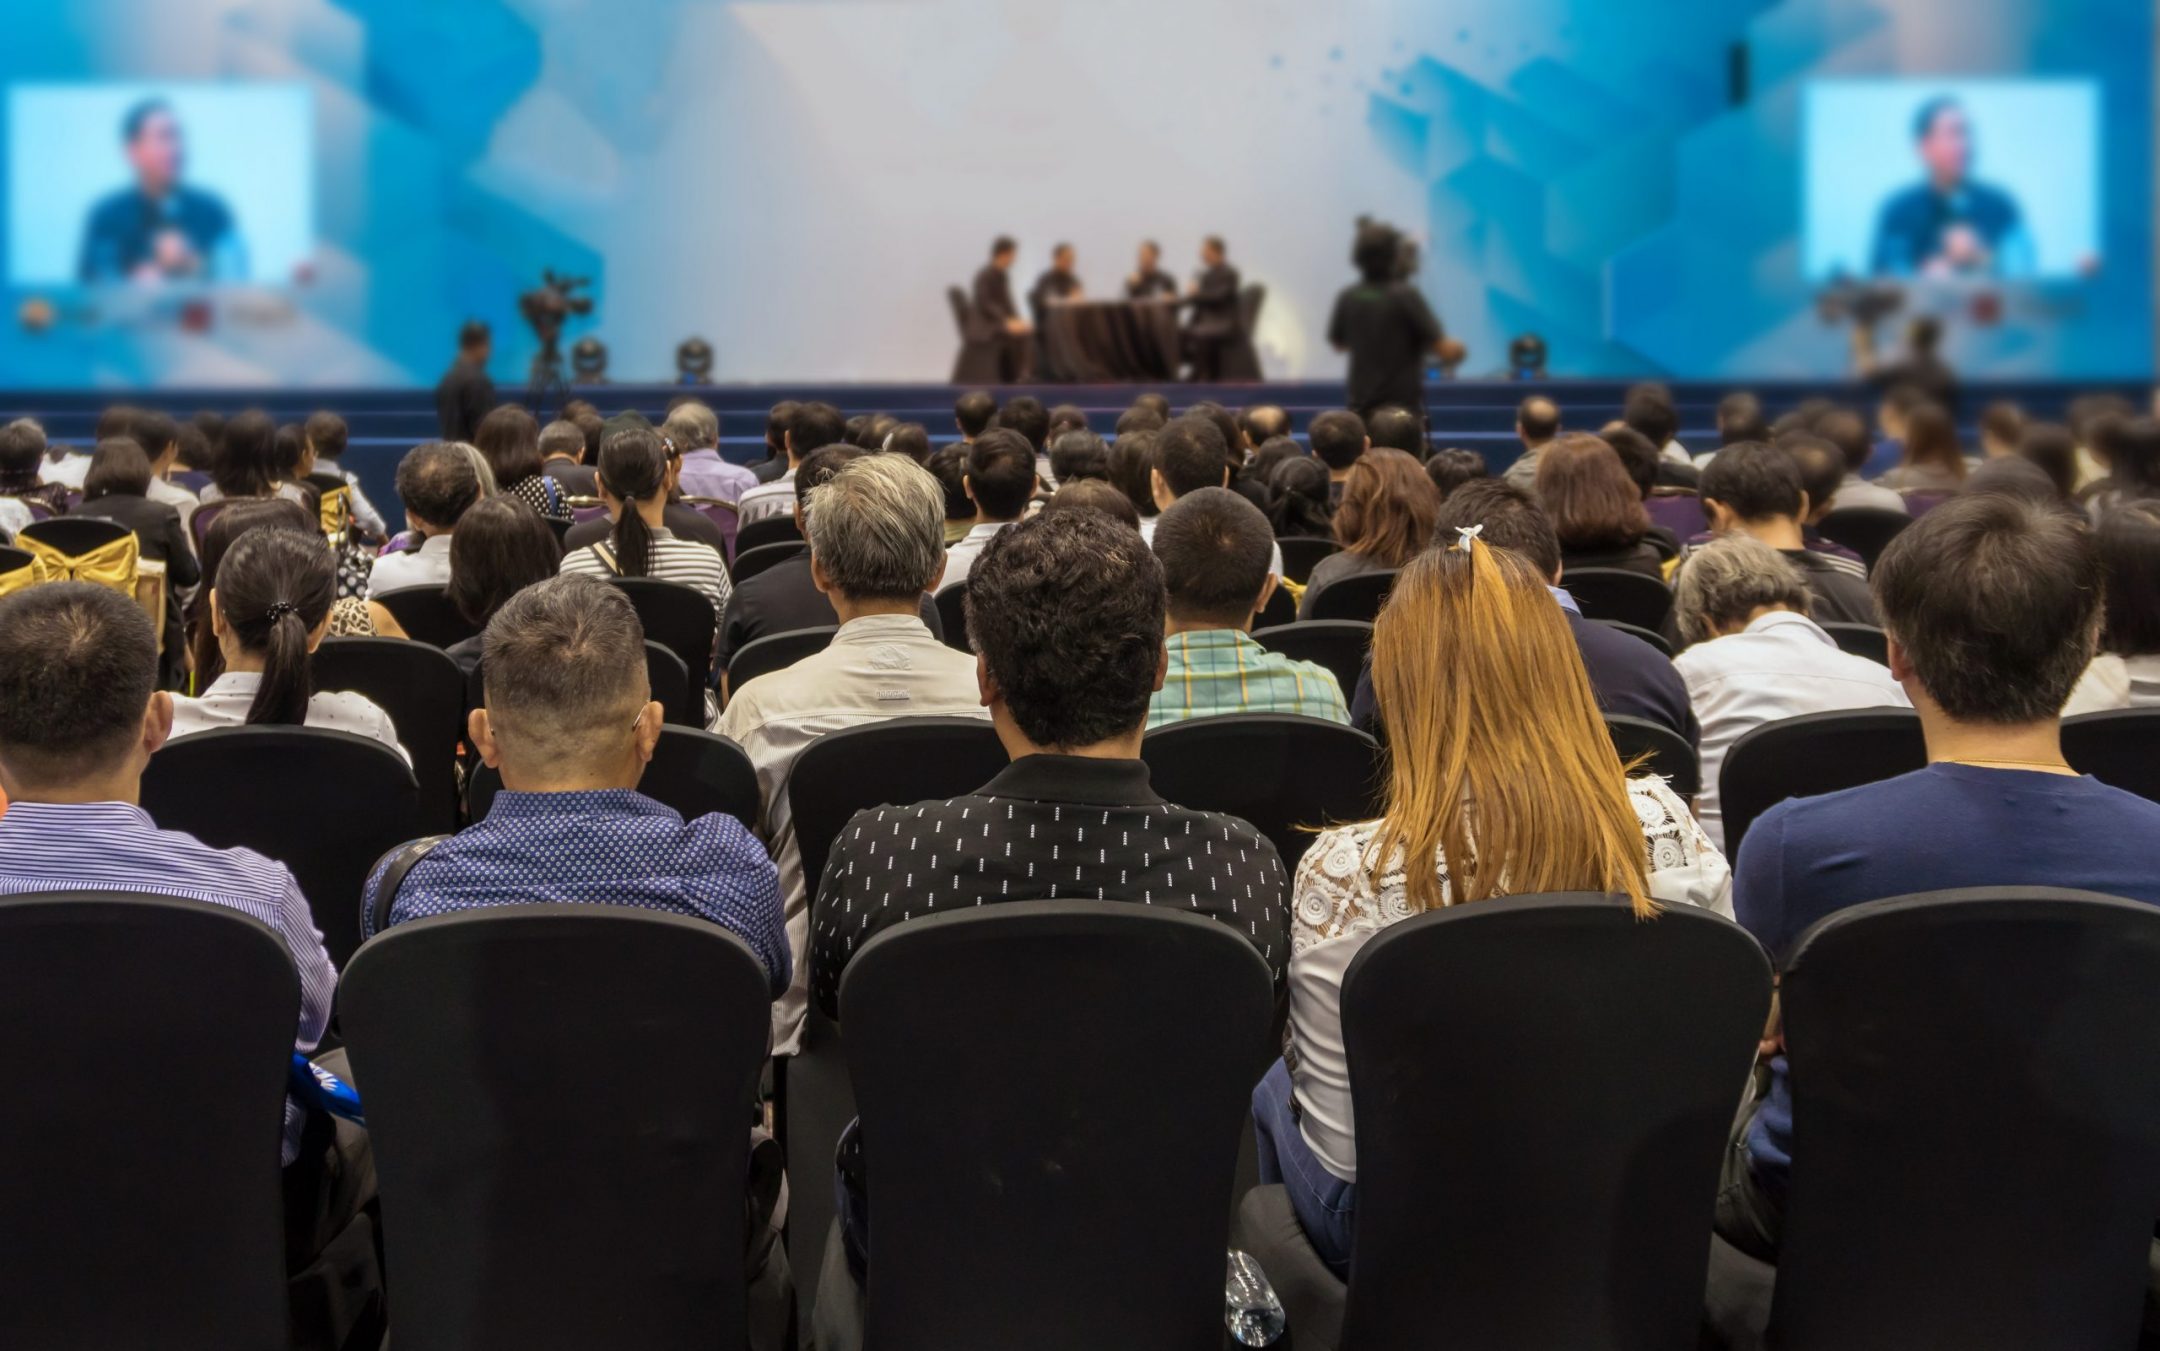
[994, 302]
[1385, 325]
[1214, 303]
[1148, 280]
[465, 394]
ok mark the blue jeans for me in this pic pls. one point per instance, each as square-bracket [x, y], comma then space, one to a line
[1325, 1204]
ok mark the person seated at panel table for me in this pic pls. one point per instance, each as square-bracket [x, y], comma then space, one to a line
[1058, 284]
[1147, 280]
[1992, 605]
[1485, 701]
[1213, 300]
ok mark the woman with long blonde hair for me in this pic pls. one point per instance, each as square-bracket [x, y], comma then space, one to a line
[1502, 780]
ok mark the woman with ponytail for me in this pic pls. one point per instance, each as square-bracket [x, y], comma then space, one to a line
[269, 608]
[1501, 780]
[633, 485]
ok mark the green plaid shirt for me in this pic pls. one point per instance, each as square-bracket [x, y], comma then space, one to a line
[1216, 671]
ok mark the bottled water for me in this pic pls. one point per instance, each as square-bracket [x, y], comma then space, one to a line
[1254, 1316]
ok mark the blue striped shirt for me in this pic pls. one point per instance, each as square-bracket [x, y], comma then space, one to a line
[115, 846]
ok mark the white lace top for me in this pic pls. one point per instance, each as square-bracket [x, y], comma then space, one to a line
[1344, 895]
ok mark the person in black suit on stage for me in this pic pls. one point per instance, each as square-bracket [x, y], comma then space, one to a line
[1148, 280]
[994, 302]
[1058, 282]
[466, 394]
[1214, 303]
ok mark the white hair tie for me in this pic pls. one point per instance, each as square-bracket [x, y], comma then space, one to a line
[1469, 533]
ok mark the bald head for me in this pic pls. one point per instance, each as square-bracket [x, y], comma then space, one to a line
[1537, 420]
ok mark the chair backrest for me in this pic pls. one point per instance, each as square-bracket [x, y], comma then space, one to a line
[423, 691]
[13, 561]
[957, 300]
[724, 516]
[1920, 502]
[765, 530]
[1279, 610]
[1095, 1062]
[1861, 640]
[1669, 752]
[76, 534]
[1615, 593]
[1867, 531]
[1301, 553]
[692, 770]
[85, 549]
[1250, 301]
[677, 617]
[1340, 645]
[881, 764]
[200, 520]
[1284, 775]
[1650, 636]
[427, 616]
[1976, 1123]
[148, 1041]
[1543, 1087]
[325, 804]
[775, 652]
[561, 1172]
[669, 680]
[1810, 755]
[1679, 512]
[951, 605]
[2120, 747]
[1358, 597]
[750, 562]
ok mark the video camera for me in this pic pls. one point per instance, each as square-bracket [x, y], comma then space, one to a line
[1863, 304]
[553, 301]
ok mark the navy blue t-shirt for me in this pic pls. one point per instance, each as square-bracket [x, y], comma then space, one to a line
[1939, 828]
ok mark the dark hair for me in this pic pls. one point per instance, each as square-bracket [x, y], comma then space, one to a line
[633, 468]
[78, 664]
[881, 426]
[1821, 466]
[22, 450]
[1215, 549]
[2015, 476]
[1754, 481]
[1924, 334]
[1397, 428]
[562, 437]
[1263, 422]
[1215, 242]
[2129, 540]
[1637, 455]
[911, 439]
[230, 523]
[1539, 419]
[437, 483]
[1588, 493]
[776, 425]
[1801, 418]
[1374, 252]
[194, 448]
[1272, 452]
[1094, 494]
[1931, 439]
[153, 431]
[1387, 507]
[1452, 469]
[131, 124]
[1078, 454]
[471, 334]
[273, 588]
[594, 429]
[1338, 438]
[2134, 458]
[1298, 498]
[1190, 455]
[327, 433]
[1649, 410]
[2051, 446]
[245, 461]
[815, 424]
[819, 466]
[1740, 418]
[2087, 409]
[1155, 403]
[114, 421]
[1996, 603]
[973, 412]
[1026, 415]
[1067, 417]
[500, 547]
[950, 466]
[1848, 431]
[1000, 474]
[209, 422]
[1138, 419]
[2003, 420]
[1924, 120]
[1132, 457]
[1226, 424]
[1511, 518]
[856, 428]
[287, 450]
[117, 466]
[510, 439]
[1067, 612]
[1002, 244]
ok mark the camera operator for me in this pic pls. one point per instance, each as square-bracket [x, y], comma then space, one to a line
[1386, 326]
[1921, 366]
[466, 394]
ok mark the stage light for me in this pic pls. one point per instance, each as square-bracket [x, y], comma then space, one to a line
[1526, 357]
[693, 362]
[588, 361]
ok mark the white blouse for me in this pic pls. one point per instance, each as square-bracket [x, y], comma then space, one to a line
[225, 704]
[1343, 896]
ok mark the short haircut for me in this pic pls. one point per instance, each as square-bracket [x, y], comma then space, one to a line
[78, 664]
[1511, 518]
[566, 439]
[1452, 469]
[2019, 477]
[2134, 455]
[1077, 455]
[973, 412]
[501, 547]
[22, 448]
[1000, 473]
[1649, 410]
[1067, 417]
[1848, 431]
[1924, 120]
[1002, 244]
[1264, 422]
[194, 447]
[910, 439]
[437, 483]
[1132, 458]
[877, 528]
[1215, 242]
[138, 116]
[1925, 333]
[1539, 418]
[1996, 603]
[815, 424]
[115, 421]
[1740, 418]
[819, 467]
[2129, 540]
[1139, 419]
[1338, 438]
[692, 426]
[949, 467]
[117, 466]
[1821, 466]
[1215, 549]
[1067, 612]
[857, 425]
[776, 424]
[564, 670]
[1226, 423]
[1190, 455]
[471, 334]
[595, 429]
[1729, 579]
[1155, 403]
[155, 431]
[2052, 447]
[1094, 494]
[1027, 416]
[325, 431]
[1756, 482]
[2003, 420]
[1397, 428]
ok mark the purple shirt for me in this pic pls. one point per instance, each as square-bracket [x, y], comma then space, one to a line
[705, 474]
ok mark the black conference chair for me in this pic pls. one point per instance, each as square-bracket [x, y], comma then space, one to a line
[1073, 1172]
[1617, 594]
[1302, 553]
[1976, 1123]
[751, 562]
[951, 605]
[148, 1041]
[978, 361]
[1867, 531]
[325, 804]
[1278, 611]
[1340, 645]
[423, 691]
[1547, 1181]
[757, 534]
[561, 1172]
[692, 770]
[775, 652]
[1358, 597]
[1811, 755]
[671, 687]
[1285, 775]
[1862, 640]
[1668, 752]
[1650, 636]
[427, 616]
[678, 618]
[2120, 748]
[13, 559]
[1240, 359]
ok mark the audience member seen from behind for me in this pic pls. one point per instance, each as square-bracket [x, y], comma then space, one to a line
[785, 596]
[1595, 508]
[1299, 491]
[1192, 453]
[811, 426]
[1214, 550]
[438, 484]
[1740, 418]
[695, 430]
[2133, 466]
[973, 413]
[562, 458]
[1754, 656]
[1822, 474]
[1848, 431]
[633, 487]
[1132, 465]
[1095, 495]
[1076, 455]
[1755, 490]
[1932, 462]
[1000, 480]
[1649, 409]
[500, 548]
[912, 439]
[244, 463]
[1644, 467]
[1384, 520]
[1537, 422]
[1992, 606]
[1338, 439]
[161, 440]
[1488, 714]
[2051, 446]
[350, 616]
[1026, 415]
[1448, 470]
[2002, 429]
[117, 490]
[2125, 673]
[510, 439]
[1397, 428]
[949, 467]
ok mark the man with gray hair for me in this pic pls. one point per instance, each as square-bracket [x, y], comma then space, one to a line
[695, 430]
[437, 481]
[877, 544]
[1756, 657]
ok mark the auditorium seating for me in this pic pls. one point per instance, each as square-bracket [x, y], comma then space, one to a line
[1665, 751]
[1359, 597]
[426, 615]
[2120, 747]
[1340, 645]
[1810, 755]
[780, 529]
[1284, 774]
[1616, 594]
[1301, 553]
[694, 771]
[423, 691]
[1655, 639]
[951, 602]
[1862, 640]
[978, 360]
[750, 562]
[678, 618]
[669, 678]
[775, 652]
[1867, 531]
